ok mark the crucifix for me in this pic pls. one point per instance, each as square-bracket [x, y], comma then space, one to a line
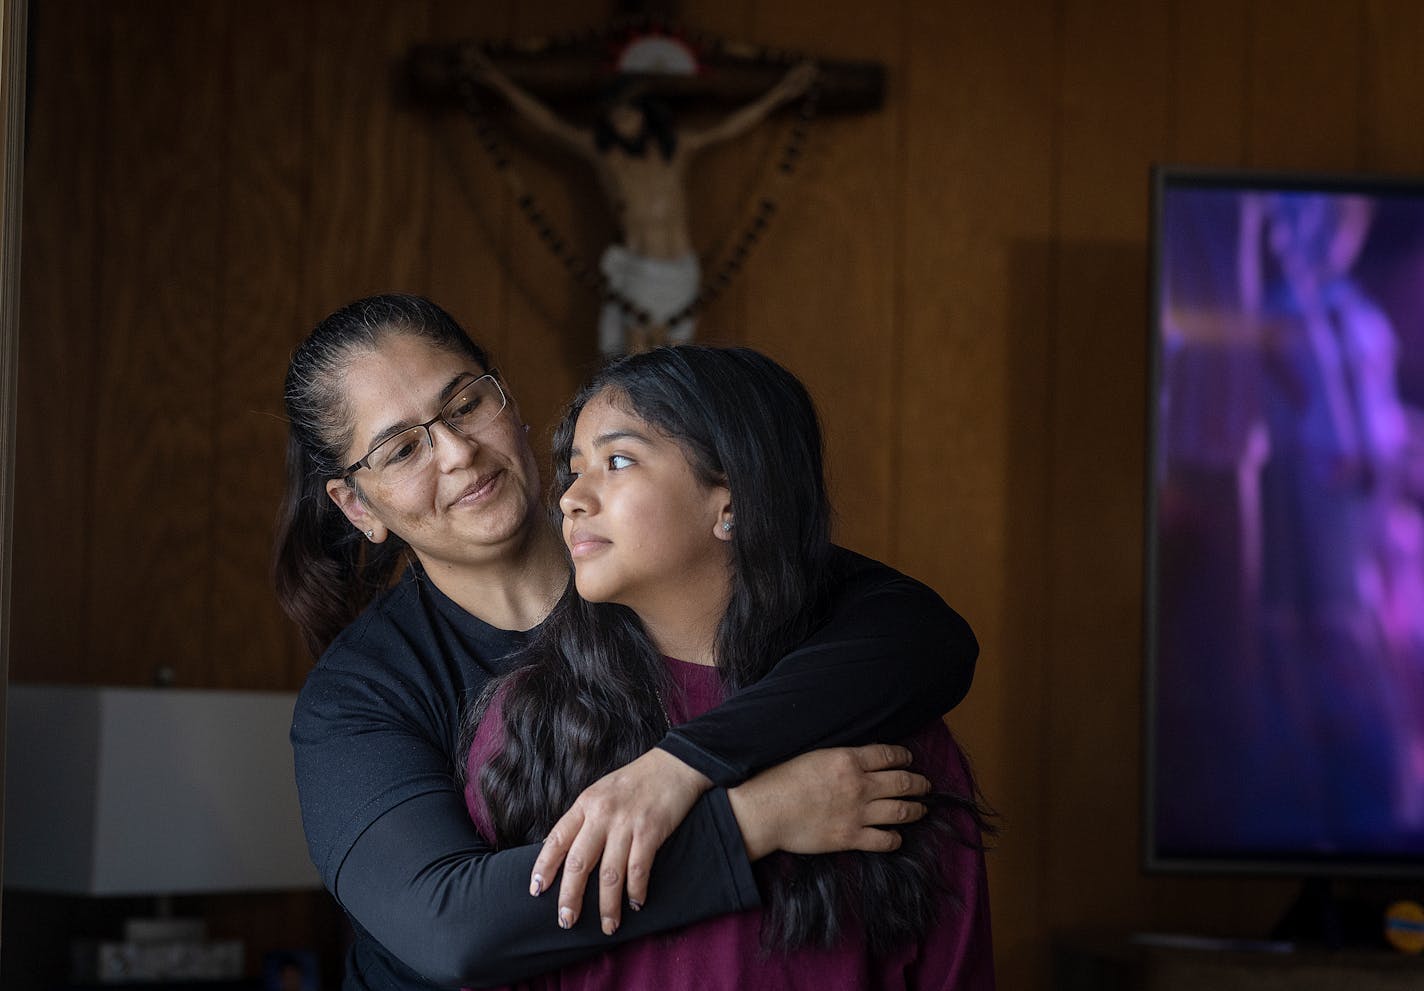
[616, 98]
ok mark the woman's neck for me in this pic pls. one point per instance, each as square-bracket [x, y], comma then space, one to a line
[515, 589]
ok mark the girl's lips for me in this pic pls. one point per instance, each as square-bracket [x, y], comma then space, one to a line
[583, 544]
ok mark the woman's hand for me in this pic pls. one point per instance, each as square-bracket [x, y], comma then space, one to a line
[619, 822]
[830, 800]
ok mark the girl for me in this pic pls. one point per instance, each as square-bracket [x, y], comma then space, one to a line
[695, 512]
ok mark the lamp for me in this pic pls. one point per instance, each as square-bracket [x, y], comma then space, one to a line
[151, 791]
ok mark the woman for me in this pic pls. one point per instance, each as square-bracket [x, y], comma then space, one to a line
[406, 453]
[695, 512]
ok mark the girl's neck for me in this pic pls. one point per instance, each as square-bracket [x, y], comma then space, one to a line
[687, 628]
[516, 588]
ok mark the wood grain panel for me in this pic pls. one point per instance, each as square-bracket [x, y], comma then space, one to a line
[972, 390]
[368, 172]
[1306, 77]
[725, 177]
[152, 545]
[826, 272]
[471, 208]
[251, 644]
[551, 342]
[1114, 112]
[1391, 98]
[58, 345]
[1209, 75]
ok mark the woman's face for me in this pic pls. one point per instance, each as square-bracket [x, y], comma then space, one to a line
[641, 527]
[476, 497]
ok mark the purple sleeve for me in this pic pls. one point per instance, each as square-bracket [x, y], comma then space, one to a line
[488, 739]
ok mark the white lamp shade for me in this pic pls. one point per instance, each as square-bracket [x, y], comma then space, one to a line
[135, 791]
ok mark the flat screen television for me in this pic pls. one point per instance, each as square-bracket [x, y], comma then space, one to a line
[1284, 708]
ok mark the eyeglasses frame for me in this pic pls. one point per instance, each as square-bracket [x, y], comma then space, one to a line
[492, 375]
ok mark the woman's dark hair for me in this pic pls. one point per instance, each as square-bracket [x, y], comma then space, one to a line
[325, 574]
[586, 700]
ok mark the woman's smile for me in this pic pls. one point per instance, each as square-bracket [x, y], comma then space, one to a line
[479, 490]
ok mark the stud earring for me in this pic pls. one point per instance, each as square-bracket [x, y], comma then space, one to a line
[726, 526]
[368, 534]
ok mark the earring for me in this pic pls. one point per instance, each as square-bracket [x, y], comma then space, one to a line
[368, 533]
[726, 526]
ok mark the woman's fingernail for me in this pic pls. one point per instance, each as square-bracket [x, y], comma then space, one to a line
[610, 926]
[536, 885]
[566, 918]
[635, 905]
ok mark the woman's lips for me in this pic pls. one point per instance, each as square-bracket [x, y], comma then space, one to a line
[478, 490]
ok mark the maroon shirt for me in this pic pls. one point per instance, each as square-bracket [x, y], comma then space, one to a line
[724, 953]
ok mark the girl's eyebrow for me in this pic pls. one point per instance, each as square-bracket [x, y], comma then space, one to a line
[604, 439]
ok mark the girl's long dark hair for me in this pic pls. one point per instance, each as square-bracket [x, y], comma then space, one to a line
[324, 573]
[587, 699]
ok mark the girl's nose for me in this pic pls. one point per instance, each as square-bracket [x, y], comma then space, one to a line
[575, 498]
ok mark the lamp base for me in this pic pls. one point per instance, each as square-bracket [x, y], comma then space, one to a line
[114, 962]
[165, 929]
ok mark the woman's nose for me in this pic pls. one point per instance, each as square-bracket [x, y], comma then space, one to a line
[452, 449]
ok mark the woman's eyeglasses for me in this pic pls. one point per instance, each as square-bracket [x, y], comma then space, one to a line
[404, 455]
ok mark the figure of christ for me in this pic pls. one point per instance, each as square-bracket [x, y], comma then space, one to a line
[641, 159]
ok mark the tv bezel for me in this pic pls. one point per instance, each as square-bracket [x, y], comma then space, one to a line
[1164, 177]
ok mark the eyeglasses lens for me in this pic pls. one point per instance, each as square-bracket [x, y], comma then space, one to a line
[405, 454]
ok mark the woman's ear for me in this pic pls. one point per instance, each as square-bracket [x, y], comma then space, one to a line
[354, 508]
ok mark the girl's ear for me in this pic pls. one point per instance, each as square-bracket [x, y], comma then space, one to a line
[725, 524]
[354, 508]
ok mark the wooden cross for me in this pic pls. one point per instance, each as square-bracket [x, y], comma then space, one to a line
[651, 283]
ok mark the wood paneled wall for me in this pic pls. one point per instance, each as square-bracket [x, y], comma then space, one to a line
[961, 279]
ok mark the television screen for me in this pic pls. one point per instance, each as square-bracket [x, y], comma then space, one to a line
[1285, 586]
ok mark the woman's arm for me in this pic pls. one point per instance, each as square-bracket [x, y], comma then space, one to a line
[390, 835]
[891, 657]
[426, 885]
[422, 882]
[373, 738]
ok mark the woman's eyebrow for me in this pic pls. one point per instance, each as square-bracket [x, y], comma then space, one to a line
[451, 387]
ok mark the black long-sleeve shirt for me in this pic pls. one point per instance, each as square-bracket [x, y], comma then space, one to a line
[375, 738]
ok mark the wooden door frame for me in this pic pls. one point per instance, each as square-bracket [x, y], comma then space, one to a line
[14, 15]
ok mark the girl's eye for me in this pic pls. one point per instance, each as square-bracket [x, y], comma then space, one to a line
[617, 462]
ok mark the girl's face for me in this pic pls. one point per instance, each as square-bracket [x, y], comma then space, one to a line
[643, 530]
[478, 493]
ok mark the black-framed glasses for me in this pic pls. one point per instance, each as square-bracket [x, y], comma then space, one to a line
[404, 455]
